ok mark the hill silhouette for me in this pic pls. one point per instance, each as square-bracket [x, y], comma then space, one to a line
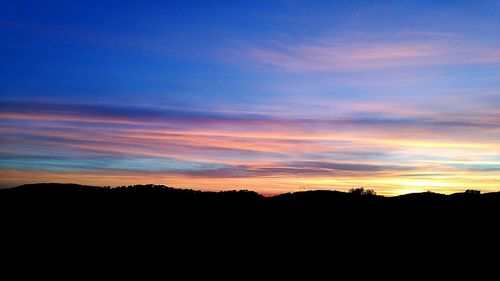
[159, 199]
[179, 222]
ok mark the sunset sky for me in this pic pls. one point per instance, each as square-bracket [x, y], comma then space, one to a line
[271, 96]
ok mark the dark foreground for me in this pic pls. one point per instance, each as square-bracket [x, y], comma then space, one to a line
[164, 205]
[154, 223]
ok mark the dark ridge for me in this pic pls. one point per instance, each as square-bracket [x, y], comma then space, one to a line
[166, 197]
[156, 216]
[53, 188]
[299, 195]
[316, 195]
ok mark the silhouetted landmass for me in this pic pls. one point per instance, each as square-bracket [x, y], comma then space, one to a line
[193, 215]
[186, 224]
[162, 200]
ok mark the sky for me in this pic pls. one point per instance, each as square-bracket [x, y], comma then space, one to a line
[271, 96]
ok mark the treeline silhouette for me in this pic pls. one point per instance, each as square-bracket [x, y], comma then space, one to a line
[159, 199]
[181, 222]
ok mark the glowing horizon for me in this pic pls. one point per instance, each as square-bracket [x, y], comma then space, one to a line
[271, 96]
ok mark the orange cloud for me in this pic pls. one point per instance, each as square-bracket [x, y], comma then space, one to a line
[270, 154]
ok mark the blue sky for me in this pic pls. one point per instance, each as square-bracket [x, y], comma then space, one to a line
[339, 71]
[85, 50]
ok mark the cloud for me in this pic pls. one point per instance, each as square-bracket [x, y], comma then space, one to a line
[328, 55]
[297, 168]
[114, 114]
[165, 117]
[124, 144]
[343, 166]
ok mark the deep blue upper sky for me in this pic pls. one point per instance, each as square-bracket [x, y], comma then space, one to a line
[194, 51]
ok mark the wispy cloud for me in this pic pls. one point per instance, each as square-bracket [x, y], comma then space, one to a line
[188, 146]
[330, 55]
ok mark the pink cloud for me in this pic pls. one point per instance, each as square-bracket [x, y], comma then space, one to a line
[254, 150]
[330, 56]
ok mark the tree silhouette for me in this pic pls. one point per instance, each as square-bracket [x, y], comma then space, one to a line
[473, 191]
[362, 192]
